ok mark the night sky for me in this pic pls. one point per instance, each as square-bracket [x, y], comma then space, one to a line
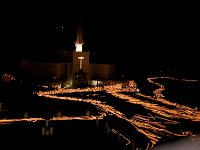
[144, 35]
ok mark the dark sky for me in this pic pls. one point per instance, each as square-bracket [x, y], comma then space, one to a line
[144, 34]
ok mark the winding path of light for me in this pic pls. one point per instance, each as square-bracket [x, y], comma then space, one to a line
[152, 126]
[146, 126]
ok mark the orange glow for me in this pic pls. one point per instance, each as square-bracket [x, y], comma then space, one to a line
[152, 126]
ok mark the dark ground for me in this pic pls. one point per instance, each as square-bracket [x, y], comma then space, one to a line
[71, 135]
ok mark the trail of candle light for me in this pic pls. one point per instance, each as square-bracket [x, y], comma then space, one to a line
[147, 125]
[110, 110]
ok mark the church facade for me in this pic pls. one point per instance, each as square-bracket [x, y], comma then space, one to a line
[67, 68]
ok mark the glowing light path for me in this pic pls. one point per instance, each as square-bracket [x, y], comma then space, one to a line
[153, 125]
[4, 121]
[147, 125]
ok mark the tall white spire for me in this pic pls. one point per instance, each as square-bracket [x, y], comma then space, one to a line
[79, 40]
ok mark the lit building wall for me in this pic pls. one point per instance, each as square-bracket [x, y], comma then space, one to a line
[44, 71]
[91, 72]
[68, 73]
[102, 71]
[57, 71]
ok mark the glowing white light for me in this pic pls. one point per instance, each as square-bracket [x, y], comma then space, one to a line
[78, 47]
[96, 82]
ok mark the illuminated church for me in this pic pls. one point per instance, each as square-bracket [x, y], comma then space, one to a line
[62, 68]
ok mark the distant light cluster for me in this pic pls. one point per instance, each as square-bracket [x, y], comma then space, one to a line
[8, 77]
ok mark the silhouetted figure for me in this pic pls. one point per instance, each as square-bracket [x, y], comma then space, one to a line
[25, 115]
[97, 121]
[47, 132]
[59, 114]
[107, 128]
[1, 106]
[118, 135]
[88, 113]
[51, 130]
[43, 131]
[133, 144]
[47, 123]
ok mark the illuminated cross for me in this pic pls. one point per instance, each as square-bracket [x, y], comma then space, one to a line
[81, 58]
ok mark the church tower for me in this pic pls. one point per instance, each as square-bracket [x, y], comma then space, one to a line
[80, 61]
[79, 40]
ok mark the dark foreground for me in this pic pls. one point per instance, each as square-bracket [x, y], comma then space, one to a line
[70, 135]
